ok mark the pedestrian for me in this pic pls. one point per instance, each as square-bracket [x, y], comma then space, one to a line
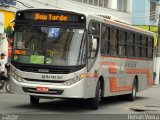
[2, 67]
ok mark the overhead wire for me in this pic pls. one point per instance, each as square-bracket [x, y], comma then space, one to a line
[45, 4]
[24, 4]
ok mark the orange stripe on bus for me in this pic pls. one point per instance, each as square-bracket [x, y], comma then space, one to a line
[112, 69]
[113, 85]
[115, 88]
[91, 75]
[141, 71]
[123, 58]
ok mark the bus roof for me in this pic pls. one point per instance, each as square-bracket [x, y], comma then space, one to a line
[116, 22]
[109, 19]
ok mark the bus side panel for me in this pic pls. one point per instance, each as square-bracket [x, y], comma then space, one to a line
[142, 72]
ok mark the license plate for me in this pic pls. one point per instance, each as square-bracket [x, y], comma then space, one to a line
[42, 89]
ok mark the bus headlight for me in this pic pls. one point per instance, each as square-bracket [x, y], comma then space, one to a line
[16, 77]
[74, 80]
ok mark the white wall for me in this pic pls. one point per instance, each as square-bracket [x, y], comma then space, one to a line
[112, 4]
[129, 6]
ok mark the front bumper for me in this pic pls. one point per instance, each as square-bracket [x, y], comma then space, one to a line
[76, 90]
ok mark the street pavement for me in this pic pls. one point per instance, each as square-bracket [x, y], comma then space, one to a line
[147, 101]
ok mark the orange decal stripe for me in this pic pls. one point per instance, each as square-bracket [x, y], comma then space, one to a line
[91, 75]
[112, 68]
[115, 88]
[141, 71]
[123, 58]
[113, 85]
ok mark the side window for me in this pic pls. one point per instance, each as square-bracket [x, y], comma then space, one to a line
[130, 44]
[114, 39]
[105, 40]
[150, 48]
[144, 47]
[122, 43]
[93, 42]
[138, 45]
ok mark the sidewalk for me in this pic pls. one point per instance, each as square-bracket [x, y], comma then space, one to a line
[156, 86]
[150, 103]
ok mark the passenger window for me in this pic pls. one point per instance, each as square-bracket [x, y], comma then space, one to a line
[144, 41]
[105, 40]
[114, 39]
[130, 46]
[122, 43]
[130, 38]
[137, 45]
[138, 40]
[150, 48]
[122, 37]
[144, 47]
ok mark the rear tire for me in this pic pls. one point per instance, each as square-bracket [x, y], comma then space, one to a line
[132, 96]
[34, 100]
[94, 102]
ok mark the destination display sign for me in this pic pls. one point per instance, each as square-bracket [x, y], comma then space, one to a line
[51, 16]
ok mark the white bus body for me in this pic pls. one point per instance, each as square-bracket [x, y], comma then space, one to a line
[116, 70]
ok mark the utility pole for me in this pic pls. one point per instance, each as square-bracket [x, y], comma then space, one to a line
[157, 57]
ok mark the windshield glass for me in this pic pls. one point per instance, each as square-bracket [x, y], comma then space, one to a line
[49, 45]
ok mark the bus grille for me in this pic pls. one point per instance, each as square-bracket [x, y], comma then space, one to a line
[49, 70]
[50, 92]
[45, 81]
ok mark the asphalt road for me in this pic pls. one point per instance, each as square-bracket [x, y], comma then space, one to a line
[112, 107]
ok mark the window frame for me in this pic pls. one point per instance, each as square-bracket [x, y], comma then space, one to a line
[107, 41]
[90, 65]
[137, 44]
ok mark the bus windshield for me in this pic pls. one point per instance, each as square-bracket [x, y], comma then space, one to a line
[59, 46]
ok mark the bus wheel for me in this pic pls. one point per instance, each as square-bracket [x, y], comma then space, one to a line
[132, 96]
[94, 102]
[34, 100]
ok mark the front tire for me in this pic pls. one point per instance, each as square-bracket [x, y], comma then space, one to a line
[34, 100]
[94, 102]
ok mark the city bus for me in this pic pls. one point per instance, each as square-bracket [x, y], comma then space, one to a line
[71, 55]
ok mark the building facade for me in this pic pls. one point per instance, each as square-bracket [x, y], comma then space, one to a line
[6, 15]
[145, 12]
[105, 7]
[134, 12]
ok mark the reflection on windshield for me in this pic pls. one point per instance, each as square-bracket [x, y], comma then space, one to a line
[52, 46]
